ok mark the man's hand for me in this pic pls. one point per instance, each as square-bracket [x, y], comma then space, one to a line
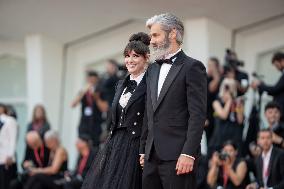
[276, 139]
[142, 160]
[184, 165]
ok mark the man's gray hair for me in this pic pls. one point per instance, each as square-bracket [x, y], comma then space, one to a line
[51, 134]
[168, 22]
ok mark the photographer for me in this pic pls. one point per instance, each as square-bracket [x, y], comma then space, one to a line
[214, 76]
[226, 169]
[229, 116]
[277, 91]
[232, 63]
[92, 106]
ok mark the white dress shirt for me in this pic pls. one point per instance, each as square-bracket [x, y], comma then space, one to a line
[124, 98]
[8, 138]
[265, 167]
[165, 68]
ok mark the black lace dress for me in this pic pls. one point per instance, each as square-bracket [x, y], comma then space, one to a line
[117, 166]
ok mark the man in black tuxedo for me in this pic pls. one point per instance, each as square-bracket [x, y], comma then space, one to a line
[269, 164]
[277, 91]
[175, 109]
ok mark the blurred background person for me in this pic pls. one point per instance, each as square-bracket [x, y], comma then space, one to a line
[233, 64]
[214, 76]
[269, 164]
[272, 114]
[44, 178]
[226, 169]
[37, 157]
[110, 80]
[229, 116]
[74, 179]
[92, 106]
[277, 91]
[39, 121]
[8, 140]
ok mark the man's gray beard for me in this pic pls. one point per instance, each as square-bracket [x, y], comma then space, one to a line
[161, 52]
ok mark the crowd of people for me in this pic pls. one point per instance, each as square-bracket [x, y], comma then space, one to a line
[235, 160]
[45, 160]
[231, 162]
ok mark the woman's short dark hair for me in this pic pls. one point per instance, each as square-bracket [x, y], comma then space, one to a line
[230, 143]
[277, 57]
[139, 43]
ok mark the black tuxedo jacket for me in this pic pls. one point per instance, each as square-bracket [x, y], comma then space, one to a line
[134, 110]
[277, 91]
[173, 122]
[276, 169]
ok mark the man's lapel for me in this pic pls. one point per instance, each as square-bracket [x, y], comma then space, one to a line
[177, 65]
[271, 161]
[153, 79]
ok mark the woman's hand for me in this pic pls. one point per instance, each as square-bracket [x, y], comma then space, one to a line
[228, 165]
[215, 159]
[142, 160]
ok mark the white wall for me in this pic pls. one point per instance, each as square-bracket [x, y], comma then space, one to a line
[44, 75]
[205, 38]
[12, 47]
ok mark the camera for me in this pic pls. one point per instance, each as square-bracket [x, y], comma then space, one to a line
[223, 156]
[231, 60]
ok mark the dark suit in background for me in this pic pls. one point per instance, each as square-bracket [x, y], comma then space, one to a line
[173, 122]
[275, 169]
[277, 91]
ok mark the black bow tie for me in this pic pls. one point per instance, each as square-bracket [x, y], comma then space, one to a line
[130, 87]
[166, 61]
[163, 61]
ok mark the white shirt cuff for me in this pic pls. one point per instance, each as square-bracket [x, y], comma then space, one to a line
[188, 156]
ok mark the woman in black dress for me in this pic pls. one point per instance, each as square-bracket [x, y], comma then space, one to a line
[117, 165]
[229, 116]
